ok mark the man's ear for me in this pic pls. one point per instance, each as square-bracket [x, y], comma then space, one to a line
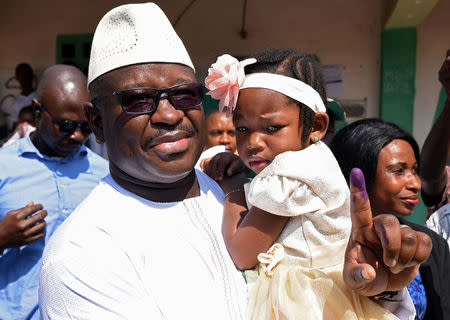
[94, 117]
[319, 128]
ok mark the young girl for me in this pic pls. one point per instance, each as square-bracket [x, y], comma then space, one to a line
[299, 200]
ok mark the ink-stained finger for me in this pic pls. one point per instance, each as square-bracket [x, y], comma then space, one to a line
[361, 213]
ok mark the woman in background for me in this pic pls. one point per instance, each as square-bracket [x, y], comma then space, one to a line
[389, 158]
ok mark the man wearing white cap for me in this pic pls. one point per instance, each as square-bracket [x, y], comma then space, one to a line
[146, 243]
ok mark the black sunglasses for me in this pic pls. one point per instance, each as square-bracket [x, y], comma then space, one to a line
[146, 100]
[67, 127]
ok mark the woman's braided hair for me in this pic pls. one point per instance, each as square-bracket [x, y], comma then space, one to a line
[297, 65]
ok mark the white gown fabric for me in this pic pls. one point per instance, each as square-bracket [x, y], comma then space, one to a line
[300, 277]
[308, 187]
[119, 256]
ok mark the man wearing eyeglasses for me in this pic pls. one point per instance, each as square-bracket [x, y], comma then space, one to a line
[146, 243]
[43, 177]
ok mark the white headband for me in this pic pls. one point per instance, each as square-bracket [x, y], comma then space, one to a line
[290, 87]
[226, 77]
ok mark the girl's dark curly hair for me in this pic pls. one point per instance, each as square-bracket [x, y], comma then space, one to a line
[297, 65]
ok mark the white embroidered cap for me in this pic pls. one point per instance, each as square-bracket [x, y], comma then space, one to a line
[131, 34]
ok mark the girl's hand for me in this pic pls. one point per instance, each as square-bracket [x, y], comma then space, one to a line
[223, 164]
[381, 255]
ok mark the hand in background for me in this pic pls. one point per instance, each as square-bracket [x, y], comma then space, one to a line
[22, 226]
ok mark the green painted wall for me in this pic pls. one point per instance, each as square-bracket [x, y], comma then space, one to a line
[398, 71]
[398, 76]
[74, 49]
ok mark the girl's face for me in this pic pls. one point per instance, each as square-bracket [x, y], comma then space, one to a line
[397, 183]
[267, 123]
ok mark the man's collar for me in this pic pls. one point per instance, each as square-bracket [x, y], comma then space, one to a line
[26, 146]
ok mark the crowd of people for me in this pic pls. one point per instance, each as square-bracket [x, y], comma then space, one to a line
[172, 227]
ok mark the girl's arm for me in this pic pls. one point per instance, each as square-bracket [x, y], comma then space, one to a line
[247, 232]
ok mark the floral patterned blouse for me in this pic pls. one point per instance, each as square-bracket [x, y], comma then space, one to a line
[417, 293]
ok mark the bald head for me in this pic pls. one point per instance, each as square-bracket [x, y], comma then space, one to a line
[61, 94]
[63, 78]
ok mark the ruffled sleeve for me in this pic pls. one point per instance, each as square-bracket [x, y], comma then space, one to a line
[299, 182]
[283, 196]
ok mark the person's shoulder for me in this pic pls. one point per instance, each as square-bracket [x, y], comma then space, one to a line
[96, 201]
[9, 150]
[209, 185]
[20, 148]
[89, 215]
[83, 237]
[205, 181]
[9, 156]
[101, 197]
[94, 156]
[96, 161]
[314, 167]
[316, 160]
[439, 221]
[443, 213]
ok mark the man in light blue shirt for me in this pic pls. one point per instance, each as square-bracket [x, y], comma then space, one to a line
[50, 169]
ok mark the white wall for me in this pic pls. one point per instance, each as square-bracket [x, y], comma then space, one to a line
[433, 41]
[339, 32]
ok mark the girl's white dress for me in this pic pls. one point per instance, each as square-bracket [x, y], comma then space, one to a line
[300, 277]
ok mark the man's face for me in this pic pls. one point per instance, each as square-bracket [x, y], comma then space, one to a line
[162, 146]
[58, 105]
[220, 131]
